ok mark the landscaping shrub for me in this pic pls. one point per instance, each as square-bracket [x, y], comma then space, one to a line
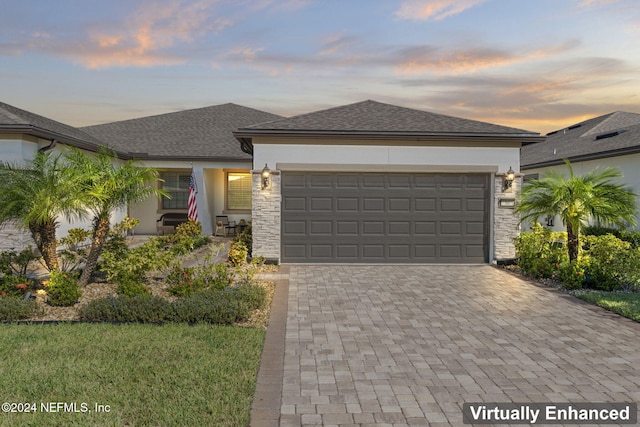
[16, 263]
[186, 281]
[541, 251]
[63, 289]
[15, 308]
[613, 263]
[222, 306]
[572, 274]
[14, 285]
[633, 237]
[210, 306]
[131, 285]
[253, 296]
[123, 265]
[238, 253]
[187, 238]
[142, 309]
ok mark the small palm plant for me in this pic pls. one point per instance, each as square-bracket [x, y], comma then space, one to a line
[578, 199]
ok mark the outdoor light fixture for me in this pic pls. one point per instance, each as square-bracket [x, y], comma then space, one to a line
[266, 177]
[508, 180]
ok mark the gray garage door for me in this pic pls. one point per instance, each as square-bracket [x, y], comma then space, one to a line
[384, 217]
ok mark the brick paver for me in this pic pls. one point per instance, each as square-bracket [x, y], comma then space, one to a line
[408, 345]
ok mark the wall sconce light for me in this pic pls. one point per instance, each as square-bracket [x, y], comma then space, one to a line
[509, 177]
[266, 177]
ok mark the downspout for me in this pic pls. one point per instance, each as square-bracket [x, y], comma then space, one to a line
[54, 142]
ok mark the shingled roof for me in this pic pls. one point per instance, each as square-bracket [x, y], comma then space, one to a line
[197, 134]
[373, 119]
[16, 120]
[613, 134]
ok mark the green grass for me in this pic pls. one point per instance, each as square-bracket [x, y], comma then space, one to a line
[171, 375]
[624, 303]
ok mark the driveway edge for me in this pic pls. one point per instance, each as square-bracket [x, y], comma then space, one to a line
[265, 409]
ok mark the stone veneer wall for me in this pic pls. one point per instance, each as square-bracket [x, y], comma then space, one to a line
[265, 216]
[13, 237]
[506, 222]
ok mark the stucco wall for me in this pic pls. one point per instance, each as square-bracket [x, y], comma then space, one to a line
[628, 166]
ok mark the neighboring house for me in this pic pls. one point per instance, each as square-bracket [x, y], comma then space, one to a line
[612, 140]
[175, 143]
[22, 135]
[372, 182]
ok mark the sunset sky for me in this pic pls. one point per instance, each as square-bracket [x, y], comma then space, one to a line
[537, 65]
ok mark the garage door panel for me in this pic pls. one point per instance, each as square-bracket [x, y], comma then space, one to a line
[347, 228]
[399, 204]
[321, 204]
[372, 228]
[320, 228]
[376, 217]
[373, 204]
[347, 204]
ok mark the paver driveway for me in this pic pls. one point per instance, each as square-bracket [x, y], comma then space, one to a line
[408, 345]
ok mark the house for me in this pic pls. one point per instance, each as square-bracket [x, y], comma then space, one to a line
[175, 143]
[22, 135]
[371, 182]
[611, 140]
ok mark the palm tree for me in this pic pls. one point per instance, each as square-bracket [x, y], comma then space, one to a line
[106, 186]
[35, 195]
[578, 199]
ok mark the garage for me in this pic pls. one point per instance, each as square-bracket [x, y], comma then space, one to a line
[384, 217]
[371, 182]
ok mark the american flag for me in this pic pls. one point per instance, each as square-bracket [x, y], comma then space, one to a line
[191, 205]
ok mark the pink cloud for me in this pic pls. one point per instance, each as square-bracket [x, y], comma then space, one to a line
[434, 10]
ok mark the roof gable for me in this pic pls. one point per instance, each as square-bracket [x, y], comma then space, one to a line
[376, 117]
[609, 135]
[190, 134]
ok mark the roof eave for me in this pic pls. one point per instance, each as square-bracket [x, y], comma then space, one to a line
[51, 135]
[246, 135]
[582, 157]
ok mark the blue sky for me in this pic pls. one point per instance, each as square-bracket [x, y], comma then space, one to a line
[537, 65]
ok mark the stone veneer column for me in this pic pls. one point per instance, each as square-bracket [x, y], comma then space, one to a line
[265, 216]
[506, 222]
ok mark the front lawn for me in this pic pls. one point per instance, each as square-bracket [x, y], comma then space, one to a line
[146, 375]
[624, 303]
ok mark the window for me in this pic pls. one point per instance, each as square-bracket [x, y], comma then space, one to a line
[238, 191]
[177, 185]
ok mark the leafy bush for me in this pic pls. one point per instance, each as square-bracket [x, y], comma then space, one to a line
[613, 263]
[12, 285]
[246, 237]
[223, 306]
[142, 309]
[187, 238]
[253, 296]
[16, 263]
[572, 275]
[633, 237]
[131, 285]
[186, 281]
[238, 253]
[123, 265]
[63, 288]
[209, 306]
[15, 308]
[541, 251]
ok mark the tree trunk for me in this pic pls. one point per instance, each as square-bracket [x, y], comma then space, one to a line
[44, 236]
[100, 233]
[572, 243]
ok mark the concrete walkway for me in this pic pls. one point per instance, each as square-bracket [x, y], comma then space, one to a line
[408, 345]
